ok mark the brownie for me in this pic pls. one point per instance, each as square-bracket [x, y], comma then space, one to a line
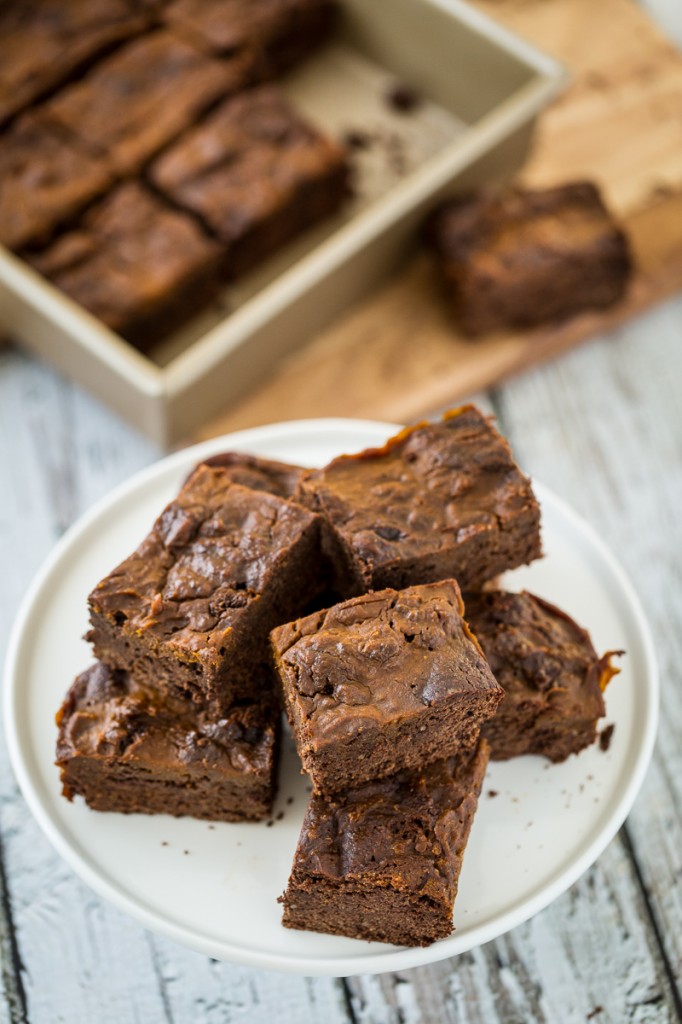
[552, 677]
[144, 95]
[520, 258]
[46, 178]
[44, 42]
[283, 31]
[139, 266]
[382, 862]
[256, 173]
[123, 748]
[259, 474]
[191, 609]
[438, 500]
[384, 681]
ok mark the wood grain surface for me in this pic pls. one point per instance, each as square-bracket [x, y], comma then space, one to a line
[399, 354]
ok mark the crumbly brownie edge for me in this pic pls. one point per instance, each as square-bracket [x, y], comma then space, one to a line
[112, 787]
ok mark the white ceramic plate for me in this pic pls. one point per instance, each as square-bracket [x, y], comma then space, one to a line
[214, 888]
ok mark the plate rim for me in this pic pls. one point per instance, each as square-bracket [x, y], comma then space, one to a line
[384, 959]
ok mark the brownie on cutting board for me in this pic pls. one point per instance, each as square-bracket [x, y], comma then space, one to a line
[438, 500]
[382, 862]
[521, 258]
[552, 677]
[138, 265]
[191, 609]
[381, 682]
[124, 748]
[255, 173]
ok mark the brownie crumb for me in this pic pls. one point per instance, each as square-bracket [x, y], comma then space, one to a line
[492, 793]
[403, 98]
[593, 1013]
[186, 852]
[278, 817]
[211, 826]
[606, 736]
[164, 842]
[290, 800]
[355, 138]
[270, 823]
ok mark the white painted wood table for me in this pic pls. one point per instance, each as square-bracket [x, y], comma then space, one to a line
[602, 427]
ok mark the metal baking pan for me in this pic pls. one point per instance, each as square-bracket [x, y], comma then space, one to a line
[481, 89]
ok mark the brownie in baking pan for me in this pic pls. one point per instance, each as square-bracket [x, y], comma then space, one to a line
[46, 178]
[138, 265]
[282, 31]
[438, 500]
[191, 609]
[382, 862]
[256, 174]
[124, 748]
[381, 682]
[522, 258]
[44, 42]
[144, 95]
[259, 474]
[552, 677]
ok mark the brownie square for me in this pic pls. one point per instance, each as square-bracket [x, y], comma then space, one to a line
[44, 42]
[438, 500]
[382, 862]
[144, 95]
[283, 31]
[123, 748]
[191, 609]
[259, 474]
[139, 266]
[521, 258]
[382, 682]
[46, 178]
[256, 173]
[551, 675]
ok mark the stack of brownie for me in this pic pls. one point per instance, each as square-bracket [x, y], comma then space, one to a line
[143, 161]
[392, 695]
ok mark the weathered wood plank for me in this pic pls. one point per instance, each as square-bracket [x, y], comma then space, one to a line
[604, 428]
[590, 949]
[84, 962]
[78, 955]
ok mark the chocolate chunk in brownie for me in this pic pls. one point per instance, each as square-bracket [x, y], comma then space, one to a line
[551, 675]
[44, 42]
[46, 178]
[136, 264]
[123, 748]
[191, 609]
[438, 500]
[256, 173]
[282, 31]
[382, 862]
[382, 682]
[259, 474]
[521, 258]
[143, 96]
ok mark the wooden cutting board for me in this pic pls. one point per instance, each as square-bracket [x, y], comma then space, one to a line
[398, 355]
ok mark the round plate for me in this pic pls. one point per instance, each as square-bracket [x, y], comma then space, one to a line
[214, 887]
